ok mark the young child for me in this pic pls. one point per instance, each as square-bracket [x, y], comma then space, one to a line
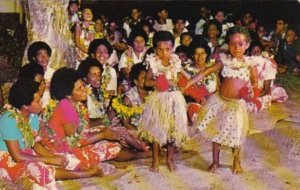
[225, 116]
[84, 34]
[164, 120]
[136, 96]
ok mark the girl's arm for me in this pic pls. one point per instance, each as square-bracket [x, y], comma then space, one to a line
[41, 150]
[185, 74]
[105, 134]
[149, 82]
[18, 156]
[126, 121]
[77, 39]
[216, 67]
[254, 77]
[69, 129]
[266, 88]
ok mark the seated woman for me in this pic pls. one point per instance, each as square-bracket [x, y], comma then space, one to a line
[98, 104]
[267, 70]
[69, 123]
[197, 94]
[135, 54]
[102, 50]
[22, 160]
[39, 53]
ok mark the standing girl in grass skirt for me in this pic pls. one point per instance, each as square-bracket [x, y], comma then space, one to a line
[164, 119]
[225, 119]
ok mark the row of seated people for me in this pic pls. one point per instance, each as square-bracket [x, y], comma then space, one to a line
[84, 124]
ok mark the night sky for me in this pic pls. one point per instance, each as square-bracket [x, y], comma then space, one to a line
[265, 11]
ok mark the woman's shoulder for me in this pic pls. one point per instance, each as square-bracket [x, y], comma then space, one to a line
[6, 117]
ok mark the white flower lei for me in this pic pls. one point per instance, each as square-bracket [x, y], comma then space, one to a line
[233, 62]
[158, 68]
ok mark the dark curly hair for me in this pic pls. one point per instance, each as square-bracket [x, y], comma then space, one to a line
[84, 67]
[135, 71]
[63, 82]
[199, 43]
[208, 24]
[236, 30]
[97, 42]
[21, 93]
[29, 71]
[162, 36]
[137, 32]
[35, 47]
[182, 49]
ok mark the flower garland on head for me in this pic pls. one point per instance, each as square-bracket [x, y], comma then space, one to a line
[125, 111]
[24, 126]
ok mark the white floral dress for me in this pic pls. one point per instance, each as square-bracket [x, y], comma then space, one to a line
[223, 120]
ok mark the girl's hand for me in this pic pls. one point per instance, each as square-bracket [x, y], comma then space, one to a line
[182, 89]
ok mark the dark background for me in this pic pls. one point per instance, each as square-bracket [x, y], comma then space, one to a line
[266, 11]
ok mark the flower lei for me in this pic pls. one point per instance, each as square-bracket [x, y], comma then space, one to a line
[125, 111]
[47, 113]
[73, 140]
[193, 71]
[233, 62]
[158, 68]
[106, 77]
[22, 124]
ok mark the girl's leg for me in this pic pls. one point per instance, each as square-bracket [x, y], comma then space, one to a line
[155, 160]
[134, 142]
[170, 154]
[127, 155]
[237, 168]
[216, 153]
[62, 174]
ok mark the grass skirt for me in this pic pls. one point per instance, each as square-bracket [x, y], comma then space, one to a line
[224, 121]
[164, 118]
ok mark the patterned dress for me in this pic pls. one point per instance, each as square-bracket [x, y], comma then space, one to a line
[37, 174]
[57, 142]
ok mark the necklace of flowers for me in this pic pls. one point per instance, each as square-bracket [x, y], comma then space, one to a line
[233, 62]
[173, 68]
[125, 111]
[22, 124]
[75, 139]
[82, 112]
[106, 77]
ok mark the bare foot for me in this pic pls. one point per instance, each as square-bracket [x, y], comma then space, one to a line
[213, 168]
[154, 168]
[106, 168]
[237, 168]
[171, 165]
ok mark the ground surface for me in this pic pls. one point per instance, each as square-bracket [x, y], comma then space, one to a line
[271, 160]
